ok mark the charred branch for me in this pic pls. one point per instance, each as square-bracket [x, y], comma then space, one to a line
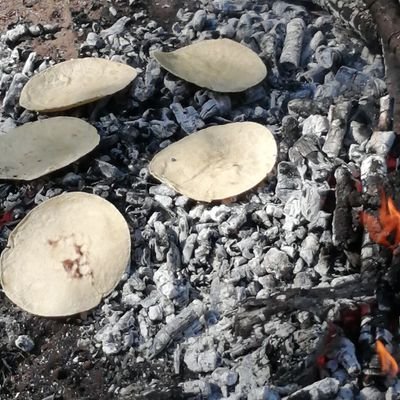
[318, 301]
[347, 197]
[291, 52]
[386, 14]
[355, 16]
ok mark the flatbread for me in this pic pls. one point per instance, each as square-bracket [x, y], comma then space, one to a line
[75, 82]
[222, 65]
[217, 162]
[38, 148]
[65, 255]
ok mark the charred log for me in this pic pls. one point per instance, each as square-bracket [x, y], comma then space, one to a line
[347, 197]
[371, 19]
[355, 16]
[318, 301]
[386, 14]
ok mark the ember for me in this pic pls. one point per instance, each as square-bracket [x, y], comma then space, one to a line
[391, 162]
[384, 229]
[388, 363]
[5, 218]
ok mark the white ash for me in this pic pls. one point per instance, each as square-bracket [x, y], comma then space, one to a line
[371, 393]
[13, 93]
[380, 142]
[384, 113]
[118, 332]
[321, 390]
[176, 327]
[16, 33]
[201, 355]
[7, 125]
[224, 376]
[197, 387]
[169, 284]
[292, 47]
[393, 392]
[277, 262]
[359, 132]
[263, 393]
[309, 249]
[315, 125]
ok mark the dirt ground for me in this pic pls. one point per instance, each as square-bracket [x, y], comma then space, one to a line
[66, 42]
[45, 12]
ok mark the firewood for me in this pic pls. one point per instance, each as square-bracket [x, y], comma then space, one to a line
[355, 16]
[317, 300]
[387, 18]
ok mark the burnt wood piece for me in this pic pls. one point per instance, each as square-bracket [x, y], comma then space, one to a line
[386, 14]
[347, 197]
[355, 16]
[291, 52]
[339, 117]
[317, 300]
[385, 114]
[374, 257]
[392, 62]
[371, 19]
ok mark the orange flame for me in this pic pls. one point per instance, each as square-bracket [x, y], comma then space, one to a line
[388, 363]
[384, 229]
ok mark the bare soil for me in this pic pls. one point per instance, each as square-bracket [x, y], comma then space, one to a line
[65, 44]
[45, 12]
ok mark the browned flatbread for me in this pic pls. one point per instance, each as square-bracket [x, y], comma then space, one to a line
[65, 255]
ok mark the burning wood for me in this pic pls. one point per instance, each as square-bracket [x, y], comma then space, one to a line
[389, 364]
[5, 218]
[385, 228]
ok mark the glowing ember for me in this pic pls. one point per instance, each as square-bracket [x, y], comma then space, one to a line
[5, 218]
[388, 363]
[321, 361]
[391, 162]
[384, 229]
[358, 185]
[326, 346]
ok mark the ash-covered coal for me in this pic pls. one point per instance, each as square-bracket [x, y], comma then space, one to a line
[176, 325]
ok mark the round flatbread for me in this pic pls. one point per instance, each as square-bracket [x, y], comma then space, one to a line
[75, 82]
[222, 65]
[217, 162]
[65, 255]
[38, 148]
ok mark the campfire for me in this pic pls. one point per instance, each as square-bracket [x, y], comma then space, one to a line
[233, 229]
[385, 227]
[388, 363]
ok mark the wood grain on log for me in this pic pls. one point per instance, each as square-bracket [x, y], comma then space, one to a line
[355, 16]
[317, 300]
[386, 14]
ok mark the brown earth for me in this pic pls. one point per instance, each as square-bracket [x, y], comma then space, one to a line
[65, 44]
[45, 12]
